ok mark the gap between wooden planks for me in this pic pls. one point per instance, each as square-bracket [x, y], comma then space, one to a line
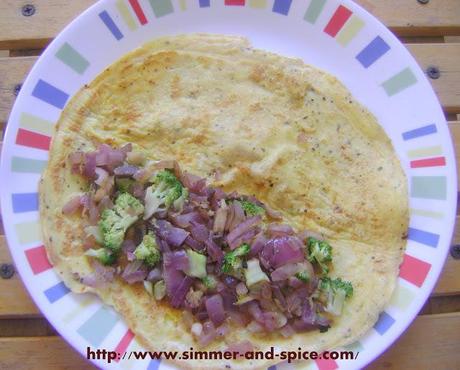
[13, 71]
[439, 349]
[404, 17]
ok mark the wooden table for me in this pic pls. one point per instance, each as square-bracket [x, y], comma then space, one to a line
[431, 32]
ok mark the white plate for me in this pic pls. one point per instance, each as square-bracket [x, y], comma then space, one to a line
[337, 36]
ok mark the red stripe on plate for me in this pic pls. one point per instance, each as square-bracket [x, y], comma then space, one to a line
[337, 21]
[414, 270]
[324, 364]
[139, 12]
[428, 162]
[38, 260]
[235, 2]
[32, 139]
[123, 345]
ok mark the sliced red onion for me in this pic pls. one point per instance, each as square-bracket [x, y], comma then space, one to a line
[287, 331]
[155, 274]
[258, 244]
[127, 148]
[105, 203]
[208, 334]
[194, 183]
[101, 176]
[241, 347]
[199, 232]
[172, 277]
[76, 159]
[282, 250]
[185, 220]
[273, 320]
[177, 259]
[89, 166]
[214, 251]
[235, 217]
[178, 296]
[255, 327]
[215, 309]
[220, 220]
[243, 228]
[101, 276]
[138, 191]
[192, 243]
[134, 272]
[275, 230]
[245, 238]
[125, 170]
[72, 206]
[128, 246]
[286, 271]
[241, 289]
[172, 235]
[216, 198]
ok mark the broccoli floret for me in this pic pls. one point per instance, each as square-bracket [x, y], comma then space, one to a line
[232, 260]
[104, 255]
[210, 282]
[114, 222]
[303, 276]
[124, 185]
[319, 252]
[335, 291]
[166, 191]
[250, 208]
[148, 251]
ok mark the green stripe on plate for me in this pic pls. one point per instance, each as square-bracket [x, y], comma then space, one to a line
[429, 187]
[28, 232]
[426, 213]
[99, 325]
[72, 58]
[425, 152]
[27, 165]
[351, 29]
[36, 124]
[258, 4]
[399, 82]
[402, 297]
[126, 14]
[314, 10]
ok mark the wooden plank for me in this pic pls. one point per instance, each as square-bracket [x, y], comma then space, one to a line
[410, 18]
[14, 299]
[404, 17]
[414, 350]
[446, 56]
[51, 353]
[12, 72]
[26, 327]
[431, 342]
[36, 31]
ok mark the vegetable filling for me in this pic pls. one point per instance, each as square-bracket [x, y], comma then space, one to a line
[222, 258]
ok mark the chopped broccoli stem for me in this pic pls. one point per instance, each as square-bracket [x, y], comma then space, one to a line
[103, 255]
[254, 274]
[148, 251]
[159, 290]
[250, 208]
[114, 222]
[197, 264]
[335, 292]
[319, 252]
[232, 260]
[166, 191]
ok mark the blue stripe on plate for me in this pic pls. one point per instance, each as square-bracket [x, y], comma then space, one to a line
[56, 292]
[205, 3]
[282, 6]
[423, 237]
[24, 202]
[418, 132]
[372, 52]
[154, 365]
[50, 94]
[110, 24]
[384, 323]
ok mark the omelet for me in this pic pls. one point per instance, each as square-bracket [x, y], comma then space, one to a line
[269, 126]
